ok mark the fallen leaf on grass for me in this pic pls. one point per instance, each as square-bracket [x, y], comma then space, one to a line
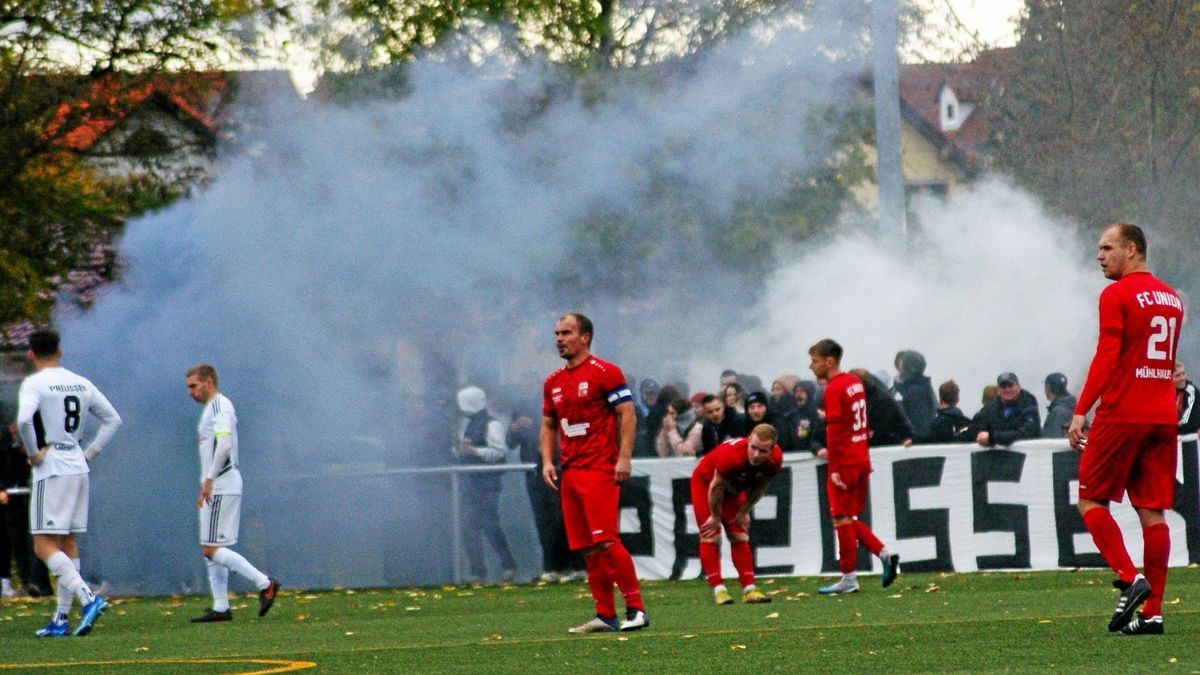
[494, 637]
[412, 609]
[1172, 602]
[139, 650]
[1172, 660]
[688, 636]
[301, 617]
[773, 615]
[896, 595]
[1045, 621]
[737, 647]
[349, 632]
[932, 588]
[622, 639]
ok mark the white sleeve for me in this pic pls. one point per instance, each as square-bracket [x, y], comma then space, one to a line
[220, 454]
[110, 421]
[495, 451]
[27, 408]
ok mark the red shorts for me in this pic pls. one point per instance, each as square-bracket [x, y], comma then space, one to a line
[729, 507]
[1138, 458]
[852, 499]
[591, 501]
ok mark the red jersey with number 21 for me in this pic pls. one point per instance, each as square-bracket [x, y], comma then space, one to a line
[846, 430]
[1140, 318]
[581, 401]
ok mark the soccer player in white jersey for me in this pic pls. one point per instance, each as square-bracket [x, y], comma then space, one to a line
[53, 403]
[220, 498]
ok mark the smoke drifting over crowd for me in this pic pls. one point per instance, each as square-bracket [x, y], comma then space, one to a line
[360, 263]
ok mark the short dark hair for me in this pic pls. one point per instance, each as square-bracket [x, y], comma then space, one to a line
[204, 372]
[1057, 384]
[585, 324]
[948, 392]
[710, 398]
[728, 371]
[827, 347]
[1132, 234]
[44, 343]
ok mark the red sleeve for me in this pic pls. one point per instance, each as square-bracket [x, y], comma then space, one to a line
[1108, 350]
[547, 406]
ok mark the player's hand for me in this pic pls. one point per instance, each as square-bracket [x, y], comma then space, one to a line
[906, 442]
[38, 457]
[3, 498]
[1075, 433]
[550, 476]
[710, 528]
[823, 453]
[624, 468]
[982, 438]
[836, 479]
[205, 496]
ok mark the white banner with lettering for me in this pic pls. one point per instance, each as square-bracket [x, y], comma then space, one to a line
[941, 507]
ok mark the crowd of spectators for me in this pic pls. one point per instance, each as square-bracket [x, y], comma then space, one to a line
[903, 409]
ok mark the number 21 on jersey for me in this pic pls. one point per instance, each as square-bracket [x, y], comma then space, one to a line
[1161, 344]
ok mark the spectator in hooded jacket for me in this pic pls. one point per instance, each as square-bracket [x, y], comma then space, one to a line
[1010, 417]
[650, 407]
[804, 421]
[886, 419]
[782, 402]
[949, 424]
[681, 431]
[915, 391]
[758, 411]
[1061, 408]
[1185, 401]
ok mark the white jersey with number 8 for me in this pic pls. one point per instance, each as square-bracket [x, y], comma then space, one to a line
[53, 407]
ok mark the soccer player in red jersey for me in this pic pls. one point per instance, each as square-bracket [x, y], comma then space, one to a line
[726, 485]
[588, 408]
[847, 483]
[1132, 443]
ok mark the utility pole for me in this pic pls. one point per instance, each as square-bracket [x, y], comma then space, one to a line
[885, 43]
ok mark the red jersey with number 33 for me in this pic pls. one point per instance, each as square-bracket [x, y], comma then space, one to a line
[581, 401]
[1140, 318]
[846, 430]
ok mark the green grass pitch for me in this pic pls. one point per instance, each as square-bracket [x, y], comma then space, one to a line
[986, 622]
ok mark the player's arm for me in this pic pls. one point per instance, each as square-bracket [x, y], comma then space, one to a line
[110, 421]
[626, 429]
[716, 495]
[754, 494]
[1104, 364]
[27, 407]
[546, 438]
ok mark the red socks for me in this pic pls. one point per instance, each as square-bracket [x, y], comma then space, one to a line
[1157, 552]
[1107, 535]
[743, 561]
[600, 582]
[620, 564]
[867, 538]
[710, 562]
[847, 539]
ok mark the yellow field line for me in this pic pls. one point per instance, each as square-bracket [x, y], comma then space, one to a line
[284, 666]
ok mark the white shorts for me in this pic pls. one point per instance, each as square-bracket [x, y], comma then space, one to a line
[219, 520]
[59, 505]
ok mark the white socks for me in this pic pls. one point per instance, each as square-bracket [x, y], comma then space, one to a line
[67, 572]
[218, 581]
[236, 563]
[718, 588]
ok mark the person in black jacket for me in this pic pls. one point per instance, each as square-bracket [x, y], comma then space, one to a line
[758, 411]
[915, 392]
[1010, 417]
[804, 420]
[886, 419]
[15, 542]
[720, 424]
[1185, 401]
[949, 424]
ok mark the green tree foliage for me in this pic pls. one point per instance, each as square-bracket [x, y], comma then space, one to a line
[1101, 115]
[66, 69]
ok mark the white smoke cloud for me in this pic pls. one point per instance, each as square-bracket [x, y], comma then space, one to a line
[995, 284]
